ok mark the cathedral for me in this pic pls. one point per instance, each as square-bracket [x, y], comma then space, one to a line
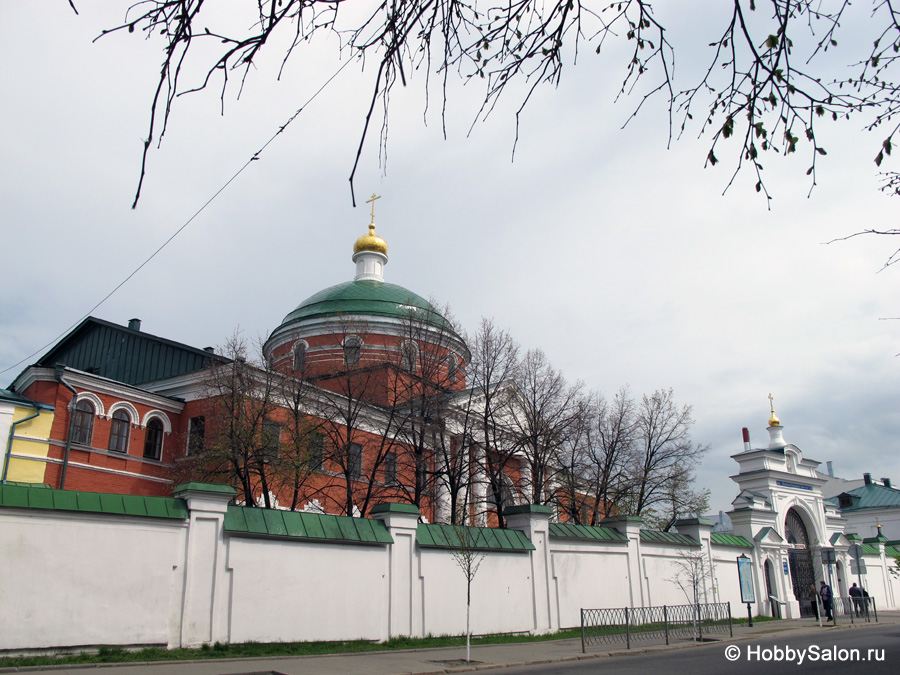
[345, 407]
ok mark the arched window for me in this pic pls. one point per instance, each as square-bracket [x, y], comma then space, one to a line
[409, 356]
[84, 423]
[300, 355]
[153, 439]
[452, 368]
[118, 433]
[352, 348]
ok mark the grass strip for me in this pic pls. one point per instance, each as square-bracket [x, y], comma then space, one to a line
[266, 649]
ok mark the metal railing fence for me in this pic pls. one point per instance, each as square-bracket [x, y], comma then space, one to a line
[629, 624]
[856, 609]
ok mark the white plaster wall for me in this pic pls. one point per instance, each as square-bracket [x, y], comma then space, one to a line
[588, 576]
[501, 594]
[293, 591]
[87, 580]
[660, 570]
[865, 525]
[726, 578]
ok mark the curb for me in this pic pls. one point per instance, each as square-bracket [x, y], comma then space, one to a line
[795, 629]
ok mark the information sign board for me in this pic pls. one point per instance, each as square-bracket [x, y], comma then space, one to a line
[745, 577]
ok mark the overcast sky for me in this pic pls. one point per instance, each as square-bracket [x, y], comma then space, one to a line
[621, 259]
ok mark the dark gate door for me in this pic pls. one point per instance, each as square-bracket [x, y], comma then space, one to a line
[802, 577]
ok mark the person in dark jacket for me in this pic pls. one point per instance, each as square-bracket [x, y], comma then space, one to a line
[827, 597]
[856, 594]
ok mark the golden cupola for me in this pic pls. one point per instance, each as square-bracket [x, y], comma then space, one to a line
[773, 420]
[370, 252]
[371, 242]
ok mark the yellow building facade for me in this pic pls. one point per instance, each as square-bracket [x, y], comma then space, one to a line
[25, 432]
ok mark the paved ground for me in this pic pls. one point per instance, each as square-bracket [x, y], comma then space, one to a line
[447, 660]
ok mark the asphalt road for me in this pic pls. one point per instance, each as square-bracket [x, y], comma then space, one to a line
[871, 650]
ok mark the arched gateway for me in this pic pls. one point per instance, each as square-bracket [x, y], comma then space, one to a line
[803, 578]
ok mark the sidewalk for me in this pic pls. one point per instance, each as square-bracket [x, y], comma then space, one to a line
[443, 660]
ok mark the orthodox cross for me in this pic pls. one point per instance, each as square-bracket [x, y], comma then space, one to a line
[771, 399]
[372, 202]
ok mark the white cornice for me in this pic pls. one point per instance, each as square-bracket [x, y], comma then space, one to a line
[190, 386]
[102, 385]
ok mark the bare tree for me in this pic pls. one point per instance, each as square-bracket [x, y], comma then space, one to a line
[611, 446]
[360, 435]
[468, 558]
[426, 374]
[542, 411]
[573, 494]
[694, 574]
[666, 454]
[302, 442]
[493, 366]
[240, 447]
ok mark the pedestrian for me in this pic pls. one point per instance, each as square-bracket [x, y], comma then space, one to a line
[826, 595]
[856, 594]
[814, 599]
[865, 600]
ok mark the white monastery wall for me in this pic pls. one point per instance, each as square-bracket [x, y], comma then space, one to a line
[84, 580]
[501, 601]
[73, 579]
[725, 577]
[588, 576]
[303, 591]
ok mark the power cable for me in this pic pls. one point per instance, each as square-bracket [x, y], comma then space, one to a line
[209, 201]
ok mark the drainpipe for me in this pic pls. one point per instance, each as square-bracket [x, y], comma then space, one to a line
[60, 369]
[12, 432]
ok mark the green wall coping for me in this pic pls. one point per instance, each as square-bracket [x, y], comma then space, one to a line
[212, 488]
[391, 507]
[527, 508]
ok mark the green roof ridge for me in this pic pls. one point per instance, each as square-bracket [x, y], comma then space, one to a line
[586, 532]
[297, 525]
[728, 539]
[673, 538]
[438, 535]
[42, 497]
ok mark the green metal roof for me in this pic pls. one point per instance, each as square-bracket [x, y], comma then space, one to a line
[891, 551]
[869, 497]
[372, 298]
[671, 538]
[482, 538]
[256, 522]
[869, 549]
[40, 497]
[723, 539]
[588, 532]
[123, 354]
[879, 539]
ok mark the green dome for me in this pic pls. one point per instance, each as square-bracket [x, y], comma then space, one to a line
[367, 298]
